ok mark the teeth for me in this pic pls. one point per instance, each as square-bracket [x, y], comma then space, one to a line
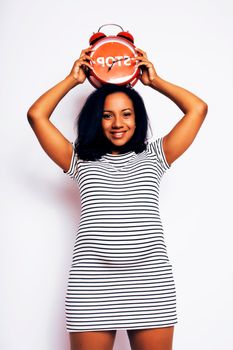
[118, 133]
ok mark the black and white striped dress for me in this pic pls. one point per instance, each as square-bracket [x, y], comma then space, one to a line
[120, 276]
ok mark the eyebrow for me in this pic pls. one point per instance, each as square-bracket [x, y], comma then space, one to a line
[108, 110]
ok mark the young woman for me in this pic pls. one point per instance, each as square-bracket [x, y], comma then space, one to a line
[120, 277]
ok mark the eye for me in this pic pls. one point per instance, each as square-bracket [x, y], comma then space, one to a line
[106, 116]
[127, 114]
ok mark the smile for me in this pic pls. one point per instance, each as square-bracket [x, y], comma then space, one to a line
[118, 134]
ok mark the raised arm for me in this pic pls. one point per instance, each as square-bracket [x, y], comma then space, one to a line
[184, 132]
[54, 143]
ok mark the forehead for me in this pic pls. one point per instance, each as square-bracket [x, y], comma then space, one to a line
[118, 100]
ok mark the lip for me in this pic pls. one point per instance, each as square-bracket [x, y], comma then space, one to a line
[118, 135]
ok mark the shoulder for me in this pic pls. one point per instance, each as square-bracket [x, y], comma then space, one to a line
[155, 147]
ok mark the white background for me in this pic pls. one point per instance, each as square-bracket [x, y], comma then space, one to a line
[190, 44]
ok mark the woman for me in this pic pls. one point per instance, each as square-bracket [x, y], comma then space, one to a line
[120, 277]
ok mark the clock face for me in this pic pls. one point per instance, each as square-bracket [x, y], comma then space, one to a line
[113, 61]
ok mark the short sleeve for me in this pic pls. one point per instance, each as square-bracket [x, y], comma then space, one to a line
[73, 169]
[156, 147]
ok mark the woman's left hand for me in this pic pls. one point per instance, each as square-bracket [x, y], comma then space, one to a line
[148, 70]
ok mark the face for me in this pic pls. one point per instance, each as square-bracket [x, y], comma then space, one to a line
[118, 120]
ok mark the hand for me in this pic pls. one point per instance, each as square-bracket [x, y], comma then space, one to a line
[80, 67]
[148, 70]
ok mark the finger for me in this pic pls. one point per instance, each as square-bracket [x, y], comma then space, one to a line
[143, 62]
[147, 64]
[83, 54]
[89, 49]
[87, 57]
[85, 63]
[140, 58]
[141, 51]
[80, 61]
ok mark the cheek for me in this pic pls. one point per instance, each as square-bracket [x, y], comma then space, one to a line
[132, 123]
[104, 127]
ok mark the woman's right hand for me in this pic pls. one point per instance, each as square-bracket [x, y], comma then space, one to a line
[78, 72]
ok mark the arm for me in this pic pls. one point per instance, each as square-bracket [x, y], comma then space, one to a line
[54, 143]
[184, 132]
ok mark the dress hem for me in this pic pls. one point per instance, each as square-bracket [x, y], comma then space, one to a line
[121, 328]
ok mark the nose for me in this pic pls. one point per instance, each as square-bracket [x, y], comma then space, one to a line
[117, 122]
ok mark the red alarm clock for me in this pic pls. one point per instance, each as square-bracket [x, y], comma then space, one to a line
[114, 59]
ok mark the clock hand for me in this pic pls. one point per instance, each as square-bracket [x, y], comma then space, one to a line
[111, 66]
[120, 59]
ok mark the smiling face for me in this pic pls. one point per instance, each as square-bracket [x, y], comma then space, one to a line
[118, 120]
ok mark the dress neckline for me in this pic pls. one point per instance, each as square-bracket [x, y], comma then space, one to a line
[119, 161]
[110, 155]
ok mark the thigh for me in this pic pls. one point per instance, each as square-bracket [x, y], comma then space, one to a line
[92, 340]
[151, 339]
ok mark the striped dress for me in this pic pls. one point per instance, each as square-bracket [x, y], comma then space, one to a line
[120, 276]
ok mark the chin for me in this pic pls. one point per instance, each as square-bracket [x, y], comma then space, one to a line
[119, 143]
